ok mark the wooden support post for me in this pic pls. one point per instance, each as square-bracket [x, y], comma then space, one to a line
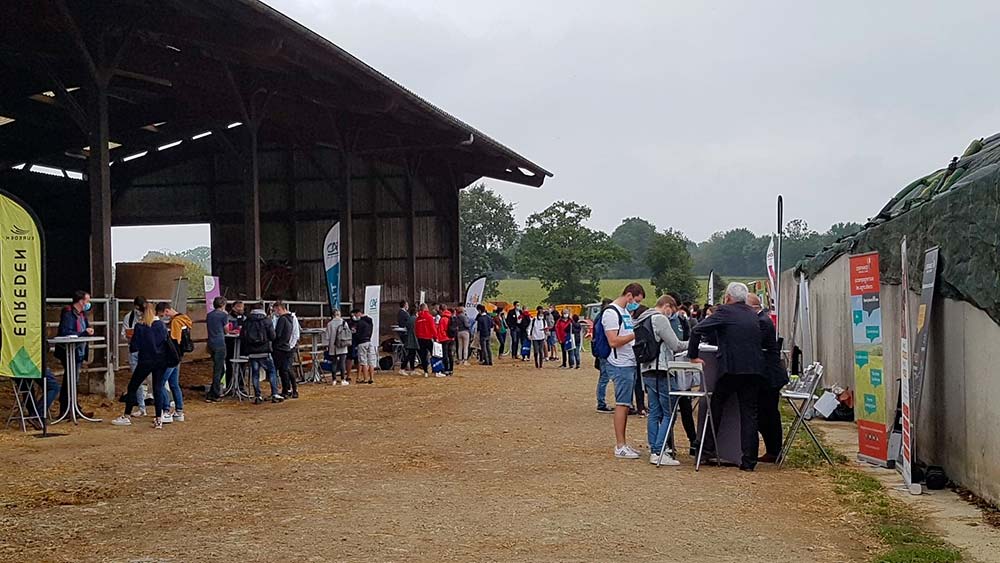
[373, 231]
[347, 245]
[292, 249]
[411, 245]
[99, 178]
[251, 218]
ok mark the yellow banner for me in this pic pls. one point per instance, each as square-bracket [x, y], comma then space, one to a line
[22, 306]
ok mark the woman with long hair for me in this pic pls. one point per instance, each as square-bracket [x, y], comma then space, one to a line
[150, 341]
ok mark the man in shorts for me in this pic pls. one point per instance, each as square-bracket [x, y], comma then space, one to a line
[367, 351]
[616, 322]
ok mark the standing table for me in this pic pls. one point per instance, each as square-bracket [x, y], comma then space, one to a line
[71, 342]
[315, 375]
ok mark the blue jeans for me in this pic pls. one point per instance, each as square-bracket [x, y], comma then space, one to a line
[574, 356]
[602, 384]
[272, 375]
[661, 404]
[170, 379]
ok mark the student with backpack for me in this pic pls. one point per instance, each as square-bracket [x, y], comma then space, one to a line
[179, 334]
[256, 338]
[613, 339]
[600, 362]
[338, 338]
[654, 346]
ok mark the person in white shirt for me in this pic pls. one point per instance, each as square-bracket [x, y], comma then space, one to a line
[616, 322]
[537, 334]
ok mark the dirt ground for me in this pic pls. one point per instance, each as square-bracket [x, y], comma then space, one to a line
[495, 464]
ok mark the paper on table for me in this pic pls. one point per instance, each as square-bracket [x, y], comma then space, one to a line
[826, 404]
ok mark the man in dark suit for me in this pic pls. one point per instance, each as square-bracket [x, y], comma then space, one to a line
[741, 365]
[769, 392]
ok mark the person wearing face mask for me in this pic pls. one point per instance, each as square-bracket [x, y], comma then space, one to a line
[484, 328]
[562, 331]
[616, 322]
[550, 333]
[537, 333]
[73, 322]
[576, 331]
[657, 381]
[176, 324]
[514, 327]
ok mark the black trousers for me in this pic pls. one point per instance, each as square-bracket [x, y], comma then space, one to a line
[515, 343]
[409, 359]
[426, 345]
[769, 418]
[448, 348]
[746, 388]
[283, 363]
[640, 393]
[138, 376]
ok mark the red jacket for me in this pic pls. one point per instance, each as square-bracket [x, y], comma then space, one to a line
[562, 329]
[424, 326]
[442, 327]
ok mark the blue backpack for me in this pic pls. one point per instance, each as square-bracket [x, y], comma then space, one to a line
[600, 347]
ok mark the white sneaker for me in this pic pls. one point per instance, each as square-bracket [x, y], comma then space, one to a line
[345, 383]
[122, 421]
[142, 412]
[626, 452]
[157, 424]
[665, 459]
[439, 374]
[403, 372]
[166, 418]
[179, 416]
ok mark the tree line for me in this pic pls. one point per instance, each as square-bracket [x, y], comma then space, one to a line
[570, 259]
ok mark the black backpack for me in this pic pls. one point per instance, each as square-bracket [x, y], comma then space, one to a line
[187, 345]
[452, 330]
[256, 333]
[645, 346]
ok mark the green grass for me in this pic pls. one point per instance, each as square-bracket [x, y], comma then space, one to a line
[894, 524]
[530, 292]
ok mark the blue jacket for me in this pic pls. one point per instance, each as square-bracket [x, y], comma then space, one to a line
[150, 342]
[72, 323]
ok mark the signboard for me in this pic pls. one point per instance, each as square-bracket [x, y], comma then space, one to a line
[927, 288]
[474, 295]
[772, 282]
[906, 418]
[331, 262]
[212, 290]
[711, 287]
[22, 299]
[373, 307]
[869, 378]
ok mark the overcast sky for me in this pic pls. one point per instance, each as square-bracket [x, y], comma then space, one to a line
[695, 115]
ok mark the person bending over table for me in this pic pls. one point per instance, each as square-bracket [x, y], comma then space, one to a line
[741, 365]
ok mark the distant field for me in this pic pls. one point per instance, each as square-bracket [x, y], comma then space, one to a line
[530, 292]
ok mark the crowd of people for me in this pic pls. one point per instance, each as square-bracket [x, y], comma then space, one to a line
[749, 367]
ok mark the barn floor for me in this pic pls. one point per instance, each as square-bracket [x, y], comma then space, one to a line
[495, 464]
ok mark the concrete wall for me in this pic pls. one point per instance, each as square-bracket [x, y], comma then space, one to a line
[959, 415]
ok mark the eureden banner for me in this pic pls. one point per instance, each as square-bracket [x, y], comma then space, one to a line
[869, 368]
[22, 303]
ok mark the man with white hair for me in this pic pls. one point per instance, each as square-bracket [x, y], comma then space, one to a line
[740, 363]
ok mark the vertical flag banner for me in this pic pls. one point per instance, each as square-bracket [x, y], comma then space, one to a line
[22, 299]
[869, 377]
[772, 282]
[212, 290]
[373, 307]
[711, 287]
[474, 295]
[331, 262]
[906, 420]
[927, 288]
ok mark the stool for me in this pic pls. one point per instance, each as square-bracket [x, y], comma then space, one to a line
[803, 391]
[704, 398]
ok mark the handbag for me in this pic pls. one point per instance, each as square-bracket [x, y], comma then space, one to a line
[568, 344]
[525, 347]
[437, 351]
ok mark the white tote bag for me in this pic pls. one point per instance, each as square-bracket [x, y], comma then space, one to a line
[437, 350]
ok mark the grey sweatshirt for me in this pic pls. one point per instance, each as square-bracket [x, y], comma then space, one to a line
[667, 337]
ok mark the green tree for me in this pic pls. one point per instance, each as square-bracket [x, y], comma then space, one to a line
[487, 231]
[634, 235]
[670, 265]
[568, 258]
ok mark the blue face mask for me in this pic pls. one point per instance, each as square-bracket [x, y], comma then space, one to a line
[86, 307]
[631, 306]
